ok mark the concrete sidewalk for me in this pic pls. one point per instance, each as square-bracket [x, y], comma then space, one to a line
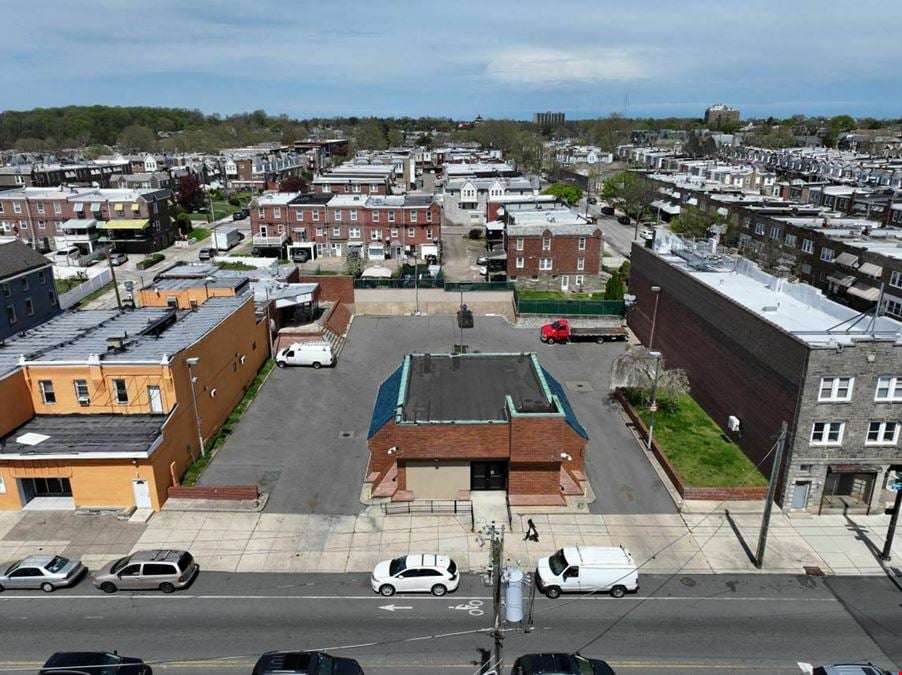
[701, 543]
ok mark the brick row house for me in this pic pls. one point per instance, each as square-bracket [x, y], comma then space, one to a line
[376, 227]
[89, 219]
[357, 185]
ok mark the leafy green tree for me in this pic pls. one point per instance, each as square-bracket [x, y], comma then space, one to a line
[395, 138]
[633, 192]
[95, 151]
[136, 138]
[842, 123]
[571, 194]
[353, 264]
[370, 135]
[694, 222]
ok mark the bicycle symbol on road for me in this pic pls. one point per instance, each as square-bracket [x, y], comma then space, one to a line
[472, 607]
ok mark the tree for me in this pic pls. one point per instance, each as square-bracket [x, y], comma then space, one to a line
[370, 135]
[425, 140]
[395, 138]
[614, 289]
[353, 264]
[633, 192]
[95, 151]
[569, 193]
[695, 223]
[188, 193]
[634, 371]
[293, 184]
[136, 138]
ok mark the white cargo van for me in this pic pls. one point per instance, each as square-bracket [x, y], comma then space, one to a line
[588, 569]
[314, 354]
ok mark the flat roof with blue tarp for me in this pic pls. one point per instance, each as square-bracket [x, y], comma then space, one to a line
[386, 401]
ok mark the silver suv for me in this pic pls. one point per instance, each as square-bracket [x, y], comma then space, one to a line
[161, 569]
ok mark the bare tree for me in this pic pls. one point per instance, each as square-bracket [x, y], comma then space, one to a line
[635, 369]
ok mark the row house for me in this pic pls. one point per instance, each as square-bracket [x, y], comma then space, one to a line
[261, 169]
[160, 180]
[89, 219]
[357, 185]
[553, 249]
[320, 153]
[375, 227]
[15, 177]
[96, 173]
[465, 200]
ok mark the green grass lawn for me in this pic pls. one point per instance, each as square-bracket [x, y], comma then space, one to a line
[558, 295]
[199, 233]
[698, 449]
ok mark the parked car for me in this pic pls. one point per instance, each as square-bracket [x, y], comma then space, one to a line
[624, 219]
[647, 235]
[607, 209]
[560, 664]
[844, 669]
[482, 260]
[161, 569]
[593, 200]
[47, 572]
[206, 253]
[117, 259]
[94, 663]
[588, 569]
[416, 573]
[310, 663]
[316, 354]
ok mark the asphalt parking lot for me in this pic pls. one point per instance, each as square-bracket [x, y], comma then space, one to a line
[303, 439]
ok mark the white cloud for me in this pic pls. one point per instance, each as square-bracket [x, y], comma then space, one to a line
[548, 67]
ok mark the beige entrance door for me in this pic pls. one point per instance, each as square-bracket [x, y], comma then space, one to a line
[437, 480]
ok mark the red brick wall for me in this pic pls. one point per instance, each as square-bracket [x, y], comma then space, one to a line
[332, 287]
[534, 479]
[564, 254]
[339, 318]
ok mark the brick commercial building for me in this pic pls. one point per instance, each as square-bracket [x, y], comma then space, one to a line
[444, 425]
[765, 351]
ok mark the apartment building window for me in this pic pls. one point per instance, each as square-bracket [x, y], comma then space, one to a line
[895, 279]
[545, 264]
[429, 216]
[827, 433]
[893, 307]
[353, 233]
[347, 187]
[319, 232]
[579, 279]
[580, 264]
[299, 216]
[29, 307]
[413, 216]
[411, 232]
[281, 228]
[121, 391]
[81, 391]
[261, 213]
[827, 254]
[393, 233]
[40, 206]
[327, 187]
[356, 187]
[315, 216]
[276, 213]
[337, 215]
[374, 188]
[1, 207]
[519, 244]
[336, 231]
[391, 216]
[746, 222]
[775, 232]
[883, 433]
[11, 314]
[889, 388]
[759, 228]
[546, 243]
[17, 207]
[42, 278]
[52, 297]
[25, 284]
[521, 262]
[836, 389]
[48, 396]
[375, 216]
[376, 234]
[353, 213]
[791, 240]
[807, 246]
[428, 233]
[581, 244]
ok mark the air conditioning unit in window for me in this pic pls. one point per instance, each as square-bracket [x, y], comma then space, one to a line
[84, 401]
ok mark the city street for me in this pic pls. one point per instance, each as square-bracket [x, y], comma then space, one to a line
[698, 624]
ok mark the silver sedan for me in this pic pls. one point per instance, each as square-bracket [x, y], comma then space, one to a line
[47, 572]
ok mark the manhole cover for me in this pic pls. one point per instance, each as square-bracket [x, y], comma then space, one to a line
[346, 434]
[579, 385]
[813, 571]
[687, 581]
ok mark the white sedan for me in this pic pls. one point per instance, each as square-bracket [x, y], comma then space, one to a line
[416, 573]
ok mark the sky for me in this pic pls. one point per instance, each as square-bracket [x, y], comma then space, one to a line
[459, 59]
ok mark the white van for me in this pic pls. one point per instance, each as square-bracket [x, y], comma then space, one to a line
[314, 354]
[588, 569]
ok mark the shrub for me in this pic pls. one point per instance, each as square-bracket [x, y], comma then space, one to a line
[234, 200]
[475, 233]
[149, 261]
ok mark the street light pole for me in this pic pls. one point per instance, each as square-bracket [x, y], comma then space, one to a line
[193, 361]
[887, 552]
[654, 397]
[654, 316]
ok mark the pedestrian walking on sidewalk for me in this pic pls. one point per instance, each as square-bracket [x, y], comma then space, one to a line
[532, 534]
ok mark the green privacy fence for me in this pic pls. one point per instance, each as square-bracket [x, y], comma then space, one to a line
[569, 307]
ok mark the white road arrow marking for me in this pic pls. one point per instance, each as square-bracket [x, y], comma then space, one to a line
[392, 608]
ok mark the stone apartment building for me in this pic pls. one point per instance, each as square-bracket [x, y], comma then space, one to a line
[27, 288]
[745, 337]
[447, 425]
[718, 114]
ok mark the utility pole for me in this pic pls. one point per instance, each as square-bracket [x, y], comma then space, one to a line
[497, 556]
[887, 553]
[109, 259]
[771, 494]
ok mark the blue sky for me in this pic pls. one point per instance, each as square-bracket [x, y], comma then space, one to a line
[462, 58]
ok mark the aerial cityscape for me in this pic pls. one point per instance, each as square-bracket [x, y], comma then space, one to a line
[471, 339]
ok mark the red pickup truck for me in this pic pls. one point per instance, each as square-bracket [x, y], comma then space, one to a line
[561, 331]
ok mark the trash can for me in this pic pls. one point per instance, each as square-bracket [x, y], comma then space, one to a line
[464, 317]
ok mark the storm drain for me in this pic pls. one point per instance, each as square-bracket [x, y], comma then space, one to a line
[579, 386]
[346, 434]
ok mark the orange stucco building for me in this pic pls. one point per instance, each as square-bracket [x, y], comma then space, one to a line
[97, 407]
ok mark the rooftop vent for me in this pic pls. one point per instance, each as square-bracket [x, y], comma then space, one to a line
[770, 308]
[115, 343]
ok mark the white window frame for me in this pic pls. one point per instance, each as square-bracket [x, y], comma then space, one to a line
[892, 307]
[393, 233]
[791, 240]
[17, 207]
[261, 213]
[580, 264]
[117, 391]
[376, 234]
[413, 216]
[277, 212]
[831, 389]
[546, 243]
[759, 228]
[822, 430]
[391, 216]
[411, 232]
[45, 390]
[315, 216]
[807, 245]
[353, 233]
[519, 244]
[40, 206]
[581, 244]
[893, 386]
[375, 216]
[895, 279]
[579, 279]
[336, 216]
[521, 262]
[320, 232]
[299, 215]
[879, 428]
[353, 213]
[828, 254]
[336, 231]
[545, 264]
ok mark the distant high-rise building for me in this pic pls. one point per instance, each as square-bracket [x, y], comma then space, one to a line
[548, 118]
[719, 113]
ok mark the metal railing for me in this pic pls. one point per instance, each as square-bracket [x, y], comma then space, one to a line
[434, 507]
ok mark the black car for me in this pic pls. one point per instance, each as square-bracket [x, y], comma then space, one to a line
[593, 200]
[623, 220]
[607, 210]
[309, 663]
[94, 663]
[560, 664]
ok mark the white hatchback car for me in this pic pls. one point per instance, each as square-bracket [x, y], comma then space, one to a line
[416, 573]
